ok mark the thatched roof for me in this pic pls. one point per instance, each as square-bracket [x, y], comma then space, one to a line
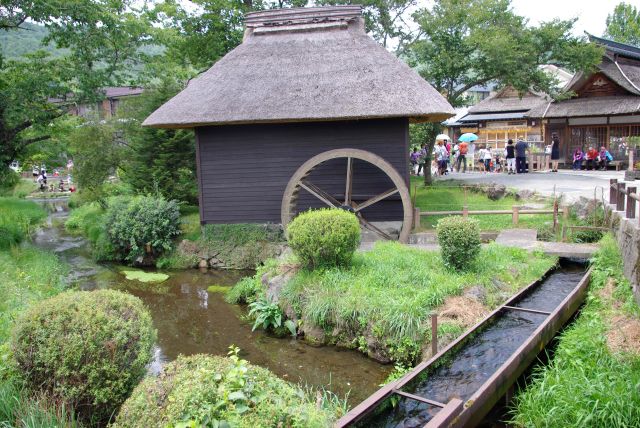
[507, 100]
[624, 74]
[594, 106]
[303, 64]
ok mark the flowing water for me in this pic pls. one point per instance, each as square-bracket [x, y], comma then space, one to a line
[191, 320]
[467, 369]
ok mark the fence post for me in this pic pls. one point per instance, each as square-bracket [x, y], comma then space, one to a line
[631, 203]
[465, 207]
[565, 213]
[434, 333]
[613, 191]
[631, 166]
[416, 218]
[555, 215]
[620, 197]
[515, 215]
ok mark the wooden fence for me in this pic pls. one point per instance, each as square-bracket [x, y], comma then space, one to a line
[515, 212]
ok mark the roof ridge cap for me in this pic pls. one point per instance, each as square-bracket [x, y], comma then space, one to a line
[626, 78]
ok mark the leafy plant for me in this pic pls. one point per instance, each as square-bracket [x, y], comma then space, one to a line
[324, 238]
[142, 226]
[85, 349]
[212, 391]
[269, 316]
[459, 240]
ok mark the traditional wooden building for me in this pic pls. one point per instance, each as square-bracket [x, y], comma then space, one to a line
[605, 110]
[308, 111]
[502, 116]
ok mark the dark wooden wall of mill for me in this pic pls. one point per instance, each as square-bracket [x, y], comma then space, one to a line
[244, 169]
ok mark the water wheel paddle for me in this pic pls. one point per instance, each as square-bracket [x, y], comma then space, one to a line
[300, 180]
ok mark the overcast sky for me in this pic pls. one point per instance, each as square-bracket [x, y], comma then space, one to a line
[592, 15]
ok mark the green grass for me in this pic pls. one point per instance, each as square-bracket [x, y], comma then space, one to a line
[18, 219]
[23, 187]
[390, 291]
[449, 196]
[586, 384]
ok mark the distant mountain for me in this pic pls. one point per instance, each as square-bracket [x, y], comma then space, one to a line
[16, 43]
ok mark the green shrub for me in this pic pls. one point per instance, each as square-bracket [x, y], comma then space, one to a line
[209, 391]
[143, 226]
[459, 240]
[85, 349]
[324, 238]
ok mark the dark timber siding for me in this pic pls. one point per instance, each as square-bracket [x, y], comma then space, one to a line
[244, 169]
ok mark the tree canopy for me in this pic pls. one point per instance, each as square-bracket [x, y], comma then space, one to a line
[466, 43]
[623, 25]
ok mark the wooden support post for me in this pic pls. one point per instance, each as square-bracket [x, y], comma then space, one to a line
[631, 166]
[416, 218]
[620, 197]
[465, 207]
[565, 213]
[555, 215]
[434, 333]
[631, 203]
[564, 232]
[613, 191]
[515, 217]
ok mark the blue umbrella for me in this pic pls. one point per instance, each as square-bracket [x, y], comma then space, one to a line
[468, 137]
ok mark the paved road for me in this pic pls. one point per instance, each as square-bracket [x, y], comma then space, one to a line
[571, 184]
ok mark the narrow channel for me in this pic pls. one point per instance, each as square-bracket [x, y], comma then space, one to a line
[191, 320]
[465, 371]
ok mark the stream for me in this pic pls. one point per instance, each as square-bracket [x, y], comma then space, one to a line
[191, 320]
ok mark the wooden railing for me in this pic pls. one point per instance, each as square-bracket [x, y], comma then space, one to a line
[515, 212]
[624, 198]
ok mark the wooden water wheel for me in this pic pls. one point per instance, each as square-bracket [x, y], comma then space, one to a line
[300, 180]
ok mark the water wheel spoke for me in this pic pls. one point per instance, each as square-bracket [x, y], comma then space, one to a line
[376, 199]
[319, 193]
[374, 229]
[349, 183]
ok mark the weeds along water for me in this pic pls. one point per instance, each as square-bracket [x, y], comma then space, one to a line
[587, 383]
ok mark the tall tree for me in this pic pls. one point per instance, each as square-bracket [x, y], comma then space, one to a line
[102, 38]
[465, 43]
[158, 160]
[623, 25]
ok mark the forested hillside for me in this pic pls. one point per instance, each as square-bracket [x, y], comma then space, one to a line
[14, 44]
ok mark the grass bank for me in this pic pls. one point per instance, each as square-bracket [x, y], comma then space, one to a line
[27, 275]
[381, 304]
[595, 372]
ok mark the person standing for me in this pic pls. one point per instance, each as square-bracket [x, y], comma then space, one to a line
[521, 157]
[555, 152]
[578, 157]
[462, 156]
[487, 155]
[422, 158]
[510, 155]
[413, 157]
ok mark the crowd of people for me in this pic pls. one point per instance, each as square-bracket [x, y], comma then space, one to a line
[592, 159]
[447, 157]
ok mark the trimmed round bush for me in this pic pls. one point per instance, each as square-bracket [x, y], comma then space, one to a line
[85, 349]
[204, 389]
[459, 240]
[324, 238]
